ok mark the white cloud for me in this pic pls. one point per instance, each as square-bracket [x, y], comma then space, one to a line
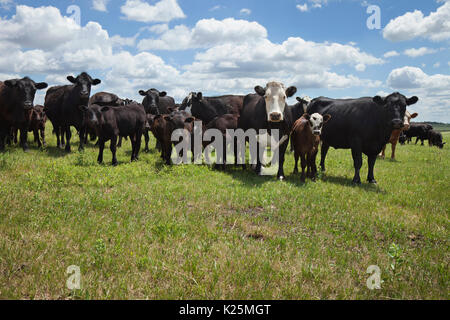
[302, 7]
[432, 90]
[245, 11]
[390, 54]
[435, 27]
[162, 11]
[413, 53]
[437, 65]
[100, 5]
[205, 34]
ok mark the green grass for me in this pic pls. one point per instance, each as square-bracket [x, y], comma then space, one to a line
[147, 231]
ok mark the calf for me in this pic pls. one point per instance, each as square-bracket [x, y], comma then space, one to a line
[395, 136]
[110, 122]
[16, 103]
[435, 139]
[163, 127]
[305, 138]
[224, 123]
[37, 125]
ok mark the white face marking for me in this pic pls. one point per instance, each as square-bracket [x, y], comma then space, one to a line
[407, 120]
[316, 124]
[275, 101]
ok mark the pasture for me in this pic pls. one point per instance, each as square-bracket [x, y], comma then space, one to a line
[149, 231]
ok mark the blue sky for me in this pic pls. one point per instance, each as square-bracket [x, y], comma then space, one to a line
[322, 47]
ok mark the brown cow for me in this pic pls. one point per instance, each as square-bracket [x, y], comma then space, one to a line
[395, 136]
[305, 138]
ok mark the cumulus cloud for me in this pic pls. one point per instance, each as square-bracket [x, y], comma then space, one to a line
[413, 53]
[162, 11]
[206, 33]
[302, 7]
[245, 12]
[390, 54]
[435, 27]
[100, 5]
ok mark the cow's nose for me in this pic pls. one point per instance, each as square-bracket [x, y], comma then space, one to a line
[28, 105]
[275, 116]
[317, 132]
[397, 124]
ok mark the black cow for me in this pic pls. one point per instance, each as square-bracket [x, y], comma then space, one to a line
[207, 109]
[435, 139]
[64, 107]
[363, 125]
[16, 104]
[268, 110]
[110, 122]
[419, 131]
[156, 102]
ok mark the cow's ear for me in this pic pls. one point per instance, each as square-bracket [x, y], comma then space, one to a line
[291, 91]
[378, 100]
[300, 100]
[414, 115]
[72, 79]
[306, 116]
[41, 85]
[260, 90]
[96, 82]
[199, 96]
[10, 83]
[142, 93]
[326, 118]
[104, 109]
[412, 100]
[163, 94]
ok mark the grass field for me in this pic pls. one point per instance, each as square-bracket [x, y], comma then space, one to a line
[147, 231]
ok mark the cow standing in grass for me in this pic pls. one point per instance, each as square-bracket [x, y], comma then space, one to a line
[305, 139]
[16, 105]
[395, 136]
[64, 106]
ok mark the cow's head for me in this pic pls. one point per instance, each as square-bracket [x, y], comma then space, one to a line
[395, 105]
[407, 120]
[180, 120]
[275, 95]
[316, 122]
[39, 117]
[93, 116]
[152, 96]
[186, 105]
[25, 90]
[83, 84]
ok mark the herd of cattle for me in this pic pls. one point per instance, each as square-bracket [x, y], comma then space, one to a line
[364, 125]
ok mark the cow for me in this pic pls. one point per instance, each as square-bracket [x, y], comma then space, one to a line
[16, 104]
[305, 139]
[223, 124]
[111, 122]
[268, 110]
[37, 125]
[363, 125]
[403, 138]
[420, 131]
[64, 106]
[207, 109]
[163, 127]
[298, 109]
[435, 139]
[395, 136]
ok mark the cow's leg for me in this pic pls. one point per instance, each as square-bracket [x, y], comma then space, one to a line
[258, 159]
[282, 154]
[15, 134]
[357, 163]
[44, 143]
[24, 138]
[113, 148]
[394, 146]
[68, 137]
[82, 135]
[303, 164]
[101, 147]
[323, 156]
[36, 137]
[296, 157]
[57, 133]
[3, 135]
[138, 146]
[147, 141]
[313, 166]
[370, 176]
[383, 152]
[63, 140]
[158, 145]
[119, 145]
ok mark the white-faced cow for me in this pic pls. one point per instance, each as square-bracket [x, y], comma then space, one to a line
[64, 107]
[363, 125]
[268, 110]
[16, 104]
